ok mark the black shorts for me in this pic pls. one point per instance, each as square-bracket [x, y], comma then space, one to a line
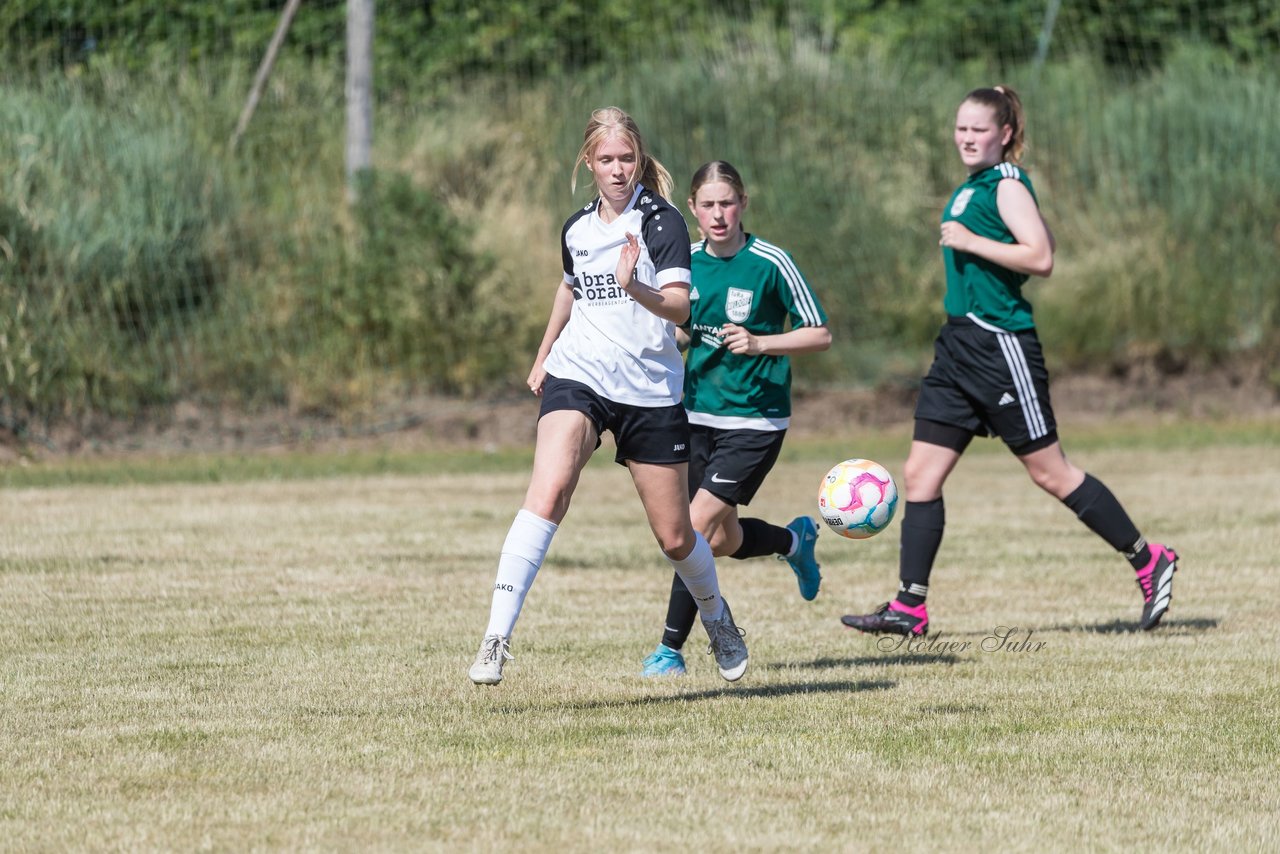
[989, 382]
[731, 464]
[644, 434]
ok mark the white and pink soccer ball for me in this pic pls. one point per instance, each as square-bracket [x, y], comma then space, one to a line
[857, 498]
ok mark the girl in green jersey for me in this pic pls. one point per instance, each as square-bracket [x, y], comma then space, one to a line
[988, 375]
[750, 309]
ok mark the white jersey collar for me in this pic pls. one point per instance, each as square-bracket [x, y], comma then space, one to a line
[631, 205]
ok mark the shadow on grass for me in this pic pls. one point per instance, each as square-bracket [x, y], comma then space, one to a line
[1121, 627]
[844, 686]
[868, 661]
[1113, 627]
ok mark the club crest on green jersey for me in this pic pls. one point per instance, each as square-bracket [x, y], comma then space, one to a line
[737, 306]
[962, 201]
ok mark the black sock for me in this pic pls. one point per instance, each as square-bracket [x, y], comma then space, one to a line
[759, 538]
[1101, 513]
[922, 524]
[682, 611]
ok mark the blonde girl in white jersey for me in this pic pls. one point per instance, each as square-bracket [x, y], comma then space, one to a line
[609, 361]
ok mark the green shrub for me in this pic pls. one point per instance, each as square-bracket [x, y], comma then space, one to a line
[408, 299]
[1167, 187]
[112, 222]
[143, 261]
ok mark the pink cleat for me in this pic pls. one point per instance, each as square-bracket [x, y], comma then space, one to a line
[1156, 581]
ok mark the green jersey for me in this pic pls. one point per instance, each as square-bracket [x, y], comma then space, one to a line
[975, 285]
[760, 289]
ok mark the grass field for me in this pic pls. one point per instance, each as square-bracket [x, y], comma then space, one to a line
[271, 653]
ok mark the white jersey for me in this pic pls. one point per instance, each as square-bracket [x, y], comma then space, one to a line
[614, 345]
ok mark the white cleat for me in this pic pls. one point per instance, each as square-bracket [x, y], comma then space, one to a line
[495, 651]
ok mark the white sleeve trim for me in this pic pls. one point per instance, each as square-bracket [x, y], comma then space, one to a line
[674, 275]
[805, 304]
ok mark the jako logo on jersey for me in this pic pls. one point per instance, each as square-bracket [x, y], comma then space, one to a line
[580, 253]
[507, 587]
[679, 447]
[738, 304]
[962, 201]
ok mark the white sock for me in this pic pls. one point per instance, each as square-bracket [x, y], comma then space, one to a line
[698, 572]
[522, 556]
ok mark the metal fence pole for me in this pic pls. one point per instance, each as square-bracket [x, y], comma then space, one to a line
[359, 91]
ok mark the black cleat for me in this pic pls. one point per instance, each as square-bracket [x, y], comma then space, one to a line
[891, 618]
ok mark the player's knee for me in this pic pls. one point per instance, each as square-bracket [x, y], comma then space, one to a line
[719, 542]
[920, 481]
[1042, 478]
[1054, 480]
[1052, 472]
[676, 545]
[912, 471]
[551, 505]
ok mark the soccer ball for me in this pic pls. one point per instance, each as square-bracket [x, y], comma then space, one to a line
[857, 498]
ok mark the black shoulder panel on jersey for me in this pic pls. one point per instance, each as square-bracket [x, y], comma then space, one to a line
[665, 233]
[565, 256]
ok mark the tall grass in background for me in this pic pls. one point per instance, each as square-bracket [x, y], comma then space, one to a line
[837, 156]
[1159, 189]
[1157, 186]
[1165, 188]
[115, 240]
[145, 262]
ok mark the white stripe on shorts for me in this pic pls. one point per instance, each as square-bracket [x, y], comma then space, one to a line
[1016, 359]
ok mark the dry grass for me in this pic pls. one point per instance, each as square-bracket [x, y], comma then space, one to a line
[281, 664]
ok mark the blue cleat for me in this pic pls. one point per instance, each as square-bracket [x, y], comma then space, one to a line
[664, 661]
[803, 563]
